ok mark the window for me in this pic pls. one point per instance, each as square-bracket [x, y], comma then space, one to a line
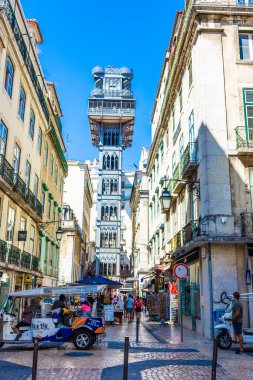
[31, 125]
[39, 141]
[45, 153]
[27, 173]
[31, 241]
[21, 107]
[3, 138]
[9, 74]
[10, 225]
[23, 223]
[173, 162]
[56, 175]
[180, 100]
[16, 158]
[61, 183]
[173, 121]
[248, 107]
[190, 74]
[43, 199]
[246, 47]
[181, 146]
[51, 165]
[49, 208]
[36, 186]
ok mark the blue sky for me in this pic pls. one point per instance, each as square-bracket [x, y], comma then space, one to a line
[83, 33]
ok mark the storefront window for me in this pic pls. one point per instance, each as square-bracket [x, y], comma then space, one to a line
[192, 292]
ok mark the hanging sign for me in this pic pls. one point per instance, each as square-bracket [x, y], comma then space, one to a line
[181, 271]
[22, 235]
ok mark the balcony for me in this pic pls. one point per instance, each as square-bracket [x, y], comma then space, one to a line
[3, 251]
[177, 241]
[102, 111]
[225, 3]
[188, 160]
[247, 224]
[9, 254]
[176, 185]
[244, 144]
[190, 231]
[20, 193]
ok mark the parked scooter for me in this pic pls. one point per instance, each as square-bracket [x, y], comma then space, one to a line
[226, 333]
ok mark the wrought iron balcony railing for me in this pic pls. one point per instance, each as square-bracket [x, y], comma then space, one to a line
[244, 137]
[35, 263]
[26, 259]
[223, 3]
[189, 156]
[111, 111]
[14, 255]
[3, 251]
[177, 241]
[19, 186]
[190, 231]
[6, 170]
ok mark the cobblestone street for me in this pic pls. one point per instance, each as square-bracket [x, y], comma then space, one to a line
[158, 356]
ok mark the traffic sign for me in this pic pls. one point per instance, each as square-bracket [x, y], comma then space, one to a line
[181, 271]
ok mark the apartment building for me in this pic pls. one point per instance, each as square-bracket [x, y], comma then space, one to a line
[32, 162]
[202, 153]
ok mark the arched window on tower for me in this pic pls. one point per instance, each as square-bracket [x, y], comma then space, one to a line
[114, 186]
[102, 212]
[104, 162]
[112, 162]
[116, 163]
[108, 162]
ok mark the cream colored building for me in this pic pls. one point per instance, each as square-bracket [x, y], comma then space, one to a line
[29, 122]
[71, 253]
[202, 133]
[78, 194]
[140, 256]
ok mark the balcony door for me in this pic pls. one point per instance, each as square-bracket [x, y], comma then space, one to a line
[16, 161]
[27, 174]
[248, 113]
[10, 225]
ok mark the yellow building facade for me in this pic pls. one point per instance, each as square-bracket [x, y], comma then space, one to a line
[32, 162]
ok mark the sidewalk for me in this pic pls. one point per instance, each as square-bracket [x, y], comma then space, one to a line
[234, 366]
[159, 356]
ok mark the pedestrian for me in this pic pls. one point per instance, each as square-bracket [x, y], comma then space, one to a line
[138, 307]
[237, 317]
[129, 307]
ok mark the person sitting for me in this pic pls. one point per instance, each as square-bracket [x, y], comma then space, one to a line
[85, 307]
[27, 316]
[59, 307]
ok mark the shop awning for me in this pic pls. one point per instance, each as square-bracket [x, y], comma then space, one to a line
[99, 280]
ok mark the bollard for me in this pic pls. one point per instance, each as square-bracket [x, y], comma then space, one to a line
[35, 359]
[215, 356]
[137, 329]
[125, 368]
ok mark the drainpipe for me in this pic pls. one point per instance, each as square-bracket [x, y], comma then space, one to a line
[210, 279]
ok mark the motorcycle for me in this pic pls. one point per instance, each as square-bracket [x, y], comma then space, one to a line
[225, 330]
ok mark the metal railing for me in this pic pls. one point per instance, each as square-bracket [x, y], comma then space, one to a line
[190, 231]
[244, 137]
[6, 171]
[3, 251]
[230, 3]
[177, 241]
[189, 156]
[35, 263]
[26, 259]
[111, 111]
[19, 186]
[14, 255]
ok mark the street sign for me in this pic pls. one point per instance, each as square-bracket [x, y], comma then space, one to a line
[22, 235]
[181, 271]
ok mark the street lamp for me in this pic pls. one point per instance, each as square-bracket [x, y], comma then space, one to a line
[59, 233]
[165, 200]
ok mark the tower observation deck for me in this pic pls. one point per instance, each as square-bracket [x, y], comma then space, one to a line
[111, 111]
